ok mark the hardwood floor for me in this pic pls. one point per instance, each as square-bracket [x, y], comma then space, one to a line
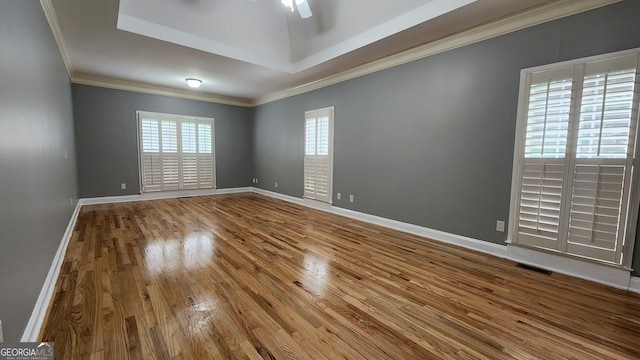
[248, 277]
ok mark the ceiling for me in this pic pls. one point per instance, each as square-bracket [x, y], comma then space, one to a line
[245, 50]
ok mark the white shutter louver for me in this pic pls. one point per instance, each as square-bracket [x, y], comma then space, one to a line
[318, 154]
[540, 203]
[543, 164]
[309, 158]
[170, 161]
[603, 160]
[151, 159]
[176, 152]
[548, 119]
[605, 115]
[205, 156]
[595, 210]
[189, 156]
[577, 158]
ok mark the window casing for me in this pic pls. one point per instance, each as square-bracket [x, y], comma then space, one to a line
[175, 152]
[575, 158]
[318, 154]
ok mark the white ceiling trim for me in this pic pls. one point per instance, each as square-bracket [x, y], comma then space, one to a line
[412, 18]
[99, 81]
[52, 18]
[165, 33]
[509, 24]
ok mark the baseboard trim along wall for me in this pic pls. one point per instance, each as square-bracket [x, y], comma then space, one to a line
[161, 195]
[602, 274]
[32, 330]
[634, 284]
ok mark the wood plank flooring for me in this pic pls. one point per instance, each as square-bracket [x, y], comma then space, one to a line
[249, 277]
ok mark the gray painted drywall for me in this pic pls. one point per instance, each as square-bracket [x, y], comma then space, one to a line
[431, 142]
[36, 182]
[105, 126]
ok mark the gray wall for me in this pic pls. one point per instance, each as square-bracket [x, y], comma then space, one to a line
[105, 126]
[431, 142]
[36, 182]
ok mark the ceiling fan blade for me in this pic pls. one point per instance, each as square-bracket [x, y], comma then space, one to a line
[303, 9]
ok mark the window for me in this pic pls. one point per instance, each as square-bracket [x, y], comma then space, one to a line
[575, 158]
[176, 152]
[318, 154]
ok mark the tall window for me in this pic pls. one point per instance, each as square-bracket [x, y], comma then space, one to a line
[318, 154]
[176, 152]
[577, 138]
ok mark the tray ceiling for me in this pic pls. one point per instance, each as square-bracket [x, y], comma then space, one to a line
[265, 34]
[248, 50]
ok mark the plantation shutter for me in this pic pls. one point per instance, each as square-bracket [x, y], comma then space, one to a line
[205, 155]
[310, 157]
[604, 155]
[577, 158]
[543, 166]
[318, 156]
[189, 156]
[150, 156]
[170, 159]
[176, 152]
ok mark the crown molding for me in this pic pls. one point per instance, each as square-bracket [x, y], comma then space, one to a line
[93, 80]
[522, 20]
[111, 83]
[519, 21]
[52, 18]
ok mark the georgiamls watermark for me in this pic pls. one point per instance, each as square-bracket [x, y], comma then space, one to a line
[26, 351]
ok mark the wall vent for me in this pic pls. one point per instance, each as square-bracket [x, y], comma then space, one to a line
[533, 268]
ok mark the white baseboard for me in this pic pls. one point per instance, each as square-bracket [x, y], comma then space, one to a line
[463, 241]
[276, 195]
[442, 236]
[32, 330]
[161, 195]
[634, 284]
[587, 270]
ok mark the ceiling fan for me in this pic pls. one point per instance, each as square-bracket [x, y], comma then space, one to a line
[303, 7]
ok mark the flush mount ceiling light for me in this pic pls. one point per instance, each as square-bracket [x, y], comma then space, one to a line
[303, 7]
[193, 83]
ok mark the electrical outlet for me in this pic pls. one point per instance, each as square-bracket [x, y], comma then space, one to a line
[71, 202]
[276, 184]
[66, 154]
[338, 196]
[350, 198]
[256, 180]
[500, 226]
[123, 186]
